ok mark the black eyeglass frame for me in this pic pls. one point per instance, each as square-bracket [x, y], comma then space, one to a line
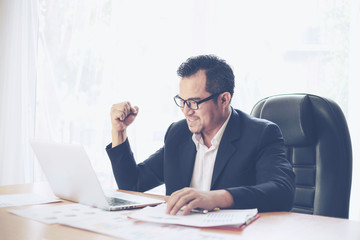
[187, 102]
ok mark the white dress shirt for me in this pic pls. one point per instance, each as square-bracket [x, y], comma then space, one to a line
[205, 159]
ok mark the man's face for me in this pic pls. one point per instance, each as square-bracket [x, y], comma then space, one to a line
[207, 119]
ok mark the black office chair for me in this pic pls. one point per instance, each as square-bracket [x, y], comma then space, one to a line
[318, 144]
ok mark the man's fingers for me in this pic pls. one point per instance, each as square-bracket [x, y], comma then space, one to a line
[122, 110]
[180, 204]
[122, 116]
[190, 206]
[172, 200]
[132, 111]
[119, 115]
[180, 199]
[135, 110]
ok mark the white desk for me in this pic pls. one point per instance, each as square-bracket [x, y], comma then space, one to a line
[276, 226]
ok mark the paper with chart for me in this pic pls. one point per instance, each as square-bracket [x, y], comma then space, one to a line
[113, 223]
[226, 217]
[64, 213]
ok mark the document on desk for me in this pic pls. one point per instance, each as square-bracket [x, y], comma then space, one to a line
[114, 223]
[64, 213]
[11, 200]
[226, 217]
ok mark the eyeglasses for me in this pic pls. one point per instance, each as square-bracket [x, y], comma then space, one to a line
[192, 104]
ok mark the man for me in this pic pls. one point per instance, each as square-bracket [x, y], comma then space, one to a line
[217, 157]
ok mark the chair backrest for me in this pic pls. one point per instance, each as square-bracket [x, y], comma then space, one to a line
[318, 144]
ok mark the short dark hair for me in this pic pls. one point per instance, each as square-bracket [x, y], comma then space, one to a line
[219, 75]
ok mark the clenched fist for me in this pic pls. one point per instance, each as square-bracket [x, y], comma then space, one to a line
[122, 115]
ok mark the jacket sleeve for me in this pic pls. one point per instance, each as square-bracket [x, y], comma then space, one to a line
[275, 185]
[136, 177]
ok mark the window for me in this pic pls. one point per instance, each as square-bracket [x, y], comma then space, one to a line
[96, 53]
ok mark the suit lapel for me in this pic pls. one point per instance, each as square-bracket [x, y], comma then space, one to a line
[226, 147]
[187, 153]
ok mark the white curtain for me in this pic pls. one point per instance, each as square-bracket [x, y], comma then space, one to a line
[18, 50]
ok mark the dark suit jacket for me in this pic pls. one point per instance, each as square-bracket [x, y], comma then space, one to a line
[250, 164]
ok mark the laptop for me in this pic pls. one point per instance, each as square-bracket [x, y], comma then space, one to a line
[69, 172]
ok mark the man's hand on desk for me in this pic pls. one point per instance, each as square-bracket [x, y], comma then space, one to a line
[190, 199]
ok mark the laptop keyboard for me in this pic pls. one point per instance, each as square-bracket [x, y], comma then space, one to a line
[118, 202]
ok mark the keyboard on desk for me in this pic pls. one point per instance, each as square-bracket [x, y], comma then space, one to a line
[118, 202]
